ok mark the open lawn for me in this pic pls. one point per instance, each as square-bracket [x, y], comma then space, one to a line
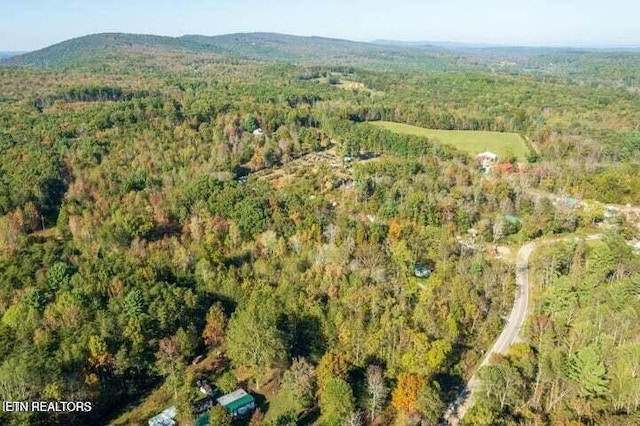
[280, 403]
[473, 142]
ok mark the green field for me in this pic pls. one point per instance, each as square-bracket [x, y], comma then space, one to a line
[473, 142]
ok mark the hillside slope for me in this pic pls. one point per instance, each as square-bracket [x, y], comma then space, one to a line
[77, 50]
[252, 46]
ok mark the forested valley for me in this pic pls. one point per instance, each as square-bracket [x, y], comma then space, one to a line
[166, 205]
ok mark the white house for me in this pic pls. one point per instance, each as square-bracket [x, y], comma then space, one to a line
[487, 159]
[487, 156]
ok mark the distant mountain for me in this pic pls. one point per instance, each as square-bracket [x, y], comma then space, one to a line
[251, 46]
[91, 47]
[504, 49]
[5, 55]
[107, 49]
[470, 47]
[286, 47]
[400, 43]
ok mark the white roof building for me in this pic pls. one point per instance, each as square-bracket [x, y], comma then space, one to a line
[166, 418]
[487, 156]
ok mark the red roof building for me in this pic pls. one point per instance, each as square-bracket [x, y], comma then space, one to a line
[506, 168]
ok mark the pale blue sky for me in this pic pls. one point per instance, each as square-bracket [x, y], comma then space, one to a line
[32, 24]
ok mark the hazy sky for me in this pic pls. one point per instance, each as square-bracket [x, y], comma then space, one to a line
[32, 24]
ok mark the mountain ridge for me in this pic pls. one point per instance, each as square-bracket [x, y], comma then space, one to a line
[261, 46]
[458, 45]
[9, 54]
[109, 47]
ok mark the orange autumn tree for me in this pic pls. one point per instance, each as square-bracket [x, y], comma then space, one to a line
[214, 329]
[405, 395]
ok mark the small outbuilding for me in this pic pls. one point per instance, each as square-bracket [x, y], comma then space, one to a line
[514, 220]
[506, 168]
[207, 389]
[421, 271]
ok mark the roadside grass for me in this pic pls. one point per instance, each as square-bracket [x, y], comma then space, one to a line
[506, 145]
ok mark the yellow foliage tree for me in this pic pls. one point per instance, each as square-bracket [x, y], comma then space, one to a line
[405, 395]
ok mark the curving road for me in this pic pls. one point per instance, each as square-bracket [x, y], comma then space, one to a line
[510, 334]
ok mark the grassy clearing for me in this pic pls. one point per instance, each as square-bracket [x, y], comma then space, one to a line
[347, 84]
[473, 142]
[281, 403]
[148, 407]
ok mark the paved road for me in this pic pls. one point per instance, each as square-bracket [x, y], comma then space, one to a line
[510, 334]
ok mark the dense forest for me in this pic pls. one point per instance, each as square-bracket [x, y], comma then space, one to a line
[161, 203]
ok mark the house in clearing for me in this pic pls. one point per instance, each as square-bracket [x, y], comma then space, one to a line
[486, 160]
[202, 405]
[207, 389]
[487, 156]
[238, 403]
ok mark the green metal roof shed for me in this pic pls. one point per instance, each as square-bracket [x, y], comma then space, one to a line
[513, 219]
[238, 402]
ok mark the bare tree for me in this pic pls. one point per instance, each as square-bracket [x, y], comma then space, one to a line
[330, 233]
[498, 230]
[168, 360]
[370, 260]
[377, 390]
[355, 419]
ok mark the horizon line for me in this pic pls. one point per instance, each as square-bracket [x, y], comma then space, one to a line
[376, 41]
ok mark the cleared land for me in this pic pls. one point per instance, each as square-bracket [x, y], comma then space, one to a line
[473, 142]
[347, 84]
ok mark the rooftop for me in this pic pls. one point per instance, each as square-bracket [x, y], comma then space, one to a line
[487, 154]
[166, 418]
[236, 399]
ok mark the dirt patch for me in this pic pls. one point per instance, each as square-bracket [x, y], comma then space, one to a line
[328, 163]
[501, 252]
